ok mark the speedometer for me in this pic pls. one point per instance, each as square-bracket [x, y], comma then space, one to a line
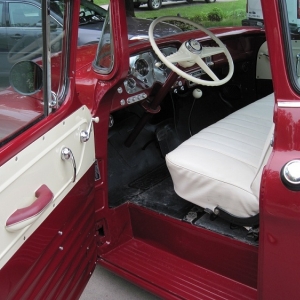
[142, 67]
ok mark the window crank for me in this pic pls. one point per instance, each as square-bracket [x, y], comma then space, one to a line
[85, 134]
[67, 154]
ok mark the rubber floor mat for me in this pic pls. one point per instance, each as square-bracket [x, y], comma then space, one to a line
[151, 179]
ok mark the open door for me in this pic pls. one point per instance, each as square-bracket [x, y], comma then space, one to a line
[47, 155]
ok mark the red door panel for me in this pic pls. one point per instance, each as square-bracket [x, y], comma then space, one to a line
[56, 261]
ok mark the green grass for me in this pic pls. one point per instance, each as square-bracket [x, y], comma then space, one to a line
[232, 13]
[101, 2]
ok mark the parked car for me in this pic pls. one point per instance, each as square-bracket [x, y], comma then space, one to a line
[156, 4]
[21, 36]
[172, 161]
[22, 27]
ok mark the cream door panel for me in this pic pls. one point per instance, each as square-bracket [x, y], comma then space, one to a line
[37, 179]
[263, 68]
[296, 56]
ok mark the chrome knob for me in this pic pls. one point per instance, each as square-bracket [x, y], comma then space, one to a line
[85, 134]
[290, 175]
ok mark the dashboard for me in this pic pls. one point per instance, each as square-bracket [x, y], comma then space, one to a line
[144, 70]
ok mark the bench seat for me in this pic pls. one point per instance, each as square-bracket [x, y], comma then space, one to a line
[221, 166]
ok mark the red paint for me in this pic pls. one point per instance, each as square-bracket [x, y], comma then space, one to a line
[160, 251]
[17, 112]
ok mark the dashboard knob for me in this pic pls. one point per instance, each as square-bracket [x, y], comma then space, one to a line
[197, 93]
[131, 83]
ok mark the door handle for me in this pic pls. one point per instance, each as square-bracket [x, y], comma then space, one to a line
[66, 154]
[25, 216]
[16, 36]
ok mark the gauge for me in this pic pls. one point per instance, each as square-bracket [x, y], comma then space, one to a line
[142, 67]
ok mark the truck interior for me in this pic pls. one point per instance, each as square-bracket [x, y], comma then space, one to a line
[182, 129]
[184, 164]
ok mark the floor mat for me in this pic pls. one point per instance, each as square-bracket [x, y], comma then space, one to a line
[225, 228]
[163, 199]
[151, 179]
[127, 164]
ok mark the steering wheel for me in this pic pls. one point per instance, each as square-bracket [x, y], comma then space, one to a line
[191, 52]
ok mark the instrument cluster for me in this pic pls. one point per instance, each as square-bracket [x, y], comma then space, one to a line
[145, 69]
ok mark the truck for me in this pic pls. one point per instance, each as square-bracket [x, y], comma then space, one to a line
[172, 160]
[255, 14]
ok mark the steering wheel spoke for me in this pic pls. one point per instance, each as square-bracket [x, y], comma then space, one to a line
[206, 68]
[210, 51]
[179, 56]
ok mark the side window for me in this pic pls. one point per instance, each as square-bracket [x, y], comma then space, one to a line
[104, 61]
[27, 92]
[24, 15]
[290, 13]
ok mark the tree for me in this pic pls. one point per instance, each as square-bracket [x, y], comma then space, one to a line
[129, 8]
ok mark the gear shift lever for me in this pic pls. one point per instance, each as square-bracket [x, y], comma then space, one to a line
[197, 94]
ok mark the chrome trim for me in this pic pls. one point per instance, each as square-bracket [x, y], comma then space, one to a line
[155, 70]
[46, 56]
[65, 61]
[291, 172]
[53, 102]
[295, 104]
[193, 46]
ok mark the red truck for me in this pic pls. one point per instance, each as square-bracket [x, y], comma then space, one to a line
[172, 159]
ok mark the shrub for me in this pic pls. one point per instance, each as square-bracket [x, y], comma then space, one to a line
[215, 15]
[198, 19]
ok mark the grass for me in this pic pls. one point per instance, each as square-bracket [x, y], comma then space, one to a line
[231, 13]
[101, 2]
[208, 14]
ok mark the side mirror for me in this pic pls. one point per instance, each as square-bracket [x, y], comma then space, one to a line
[26, 77]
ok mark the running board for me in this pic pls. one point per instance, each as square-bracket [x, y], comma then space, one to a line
[170, 276]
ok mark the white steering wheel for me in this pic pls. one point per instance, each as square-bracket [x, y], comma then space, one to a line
[191, 52]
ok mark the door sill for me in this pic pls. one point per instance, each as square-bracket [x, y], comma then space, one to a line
[170, 276]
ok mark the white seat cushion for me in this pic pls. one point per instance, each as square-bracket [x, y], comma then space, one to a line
[217, 166]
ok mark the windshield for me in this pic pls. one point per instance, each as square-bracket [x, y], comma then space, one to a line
[140, 15]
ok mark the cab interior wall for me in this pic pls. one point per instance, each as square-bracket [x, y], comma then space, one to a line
[138, 174]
